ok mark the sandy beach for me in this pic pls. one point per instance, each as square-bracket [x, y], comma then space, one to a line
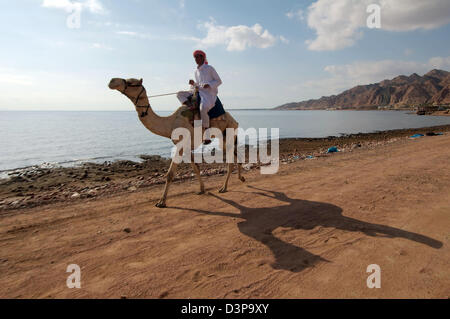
[309, 231]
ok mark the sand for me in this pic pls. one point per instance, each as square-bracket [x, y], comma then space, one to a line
[309, 231]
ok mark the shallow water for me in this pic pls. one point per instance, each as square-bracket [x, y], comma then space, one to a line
[68, 138]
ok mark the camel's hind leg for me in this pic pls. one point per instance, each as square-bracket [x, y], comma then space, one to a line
[223, 189]
[241, 178]
[197, 172]
[230, 169]
[169, 178]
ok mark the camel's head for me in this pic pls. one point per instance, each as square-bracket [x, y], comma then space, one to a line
[121, 84]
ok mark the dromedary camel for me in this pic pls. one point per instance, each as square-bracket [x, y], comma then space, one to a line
[164, 126]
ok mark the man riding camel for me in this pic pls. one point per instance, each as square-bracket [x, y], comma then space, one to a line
[207, 81]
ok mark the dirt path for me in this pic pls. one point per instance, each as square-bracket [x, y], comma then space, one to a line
[308, 232]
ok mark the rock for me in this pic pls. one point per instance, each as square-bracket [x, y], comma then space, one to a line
[132, 188]
[127, 230]
[92, 193]
[75, 195]
[150, 157]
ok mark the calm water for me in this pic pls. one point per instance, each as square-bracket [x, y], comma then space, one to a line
[67, 138]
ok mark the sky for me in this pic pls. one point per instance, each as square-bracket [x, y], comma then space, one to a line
[61, 54]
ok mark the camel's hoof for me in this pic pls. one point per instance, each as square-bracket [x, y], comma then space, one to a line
[160, 205]
[200, 192]
[242, 179]
[222, 190]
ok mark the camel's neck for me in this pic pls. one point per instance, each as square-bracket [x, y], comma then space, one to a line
[158, 125]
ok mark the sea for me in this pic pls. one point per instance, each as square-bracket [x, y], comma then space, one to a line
[62, 138]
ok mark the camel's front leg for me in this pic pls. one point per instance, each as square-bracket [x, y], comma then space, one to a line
[169, 178]
[225, 184]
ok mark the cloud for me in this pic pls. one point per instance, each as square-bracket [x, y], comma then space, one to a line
[93, 6]
[137, 35]
[101, 46]
[130, 33]
[338, 23]
[284, 40]
[236, 38]
[299, 14]
[346, 76]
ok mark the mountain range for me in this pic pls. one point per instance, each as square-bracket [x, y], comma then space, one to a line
[400, 92]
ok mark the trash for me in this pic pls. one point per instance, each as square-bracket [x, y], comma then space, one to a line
[416, 135]
[433, 134]
[333, 149]
[309, 157]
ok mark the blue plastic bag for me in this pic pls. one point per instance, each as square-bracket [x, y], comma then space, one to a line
[333, 149]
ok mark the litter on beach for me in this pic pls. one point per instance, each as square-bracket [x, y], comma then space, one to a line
[416, 135]
[333, 149]
[433, 134]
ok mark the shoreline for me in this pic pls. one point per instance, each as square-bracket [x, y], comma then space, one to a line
[43, 186]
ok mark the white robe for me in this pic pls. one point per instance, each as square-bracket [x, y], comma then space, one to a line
[205, 74]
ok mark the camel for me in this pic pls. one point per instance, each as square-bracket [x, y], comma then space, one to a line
[163, 126]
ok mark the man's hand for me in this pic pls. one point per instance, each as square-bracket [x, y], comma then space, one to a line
[206, 86]
[191, 82]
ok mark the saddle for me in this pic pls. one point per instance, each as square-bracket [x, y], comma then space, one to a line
[193, 111]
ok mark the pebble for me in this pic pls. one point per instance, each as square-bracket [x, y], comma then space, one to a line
[75, 195]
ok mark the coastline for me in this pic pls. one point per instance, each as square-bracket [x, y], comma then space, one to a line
[41, 186]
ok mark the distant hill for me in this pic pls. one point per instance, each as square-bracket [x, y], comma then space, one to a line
[402, 91]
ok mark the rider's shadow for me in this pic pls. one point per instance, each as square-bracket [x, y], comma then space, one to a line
[259, 223]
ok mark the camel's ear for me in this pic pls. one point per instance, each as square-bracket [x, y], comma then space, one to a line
[140, 81]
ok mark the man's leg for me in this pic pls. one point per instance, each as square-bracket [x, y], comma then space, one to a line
[182, 96]
[205, 120]
[204, 113]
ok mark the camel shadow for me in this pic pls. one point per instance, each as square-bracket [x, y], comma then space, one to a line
[259, 224]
